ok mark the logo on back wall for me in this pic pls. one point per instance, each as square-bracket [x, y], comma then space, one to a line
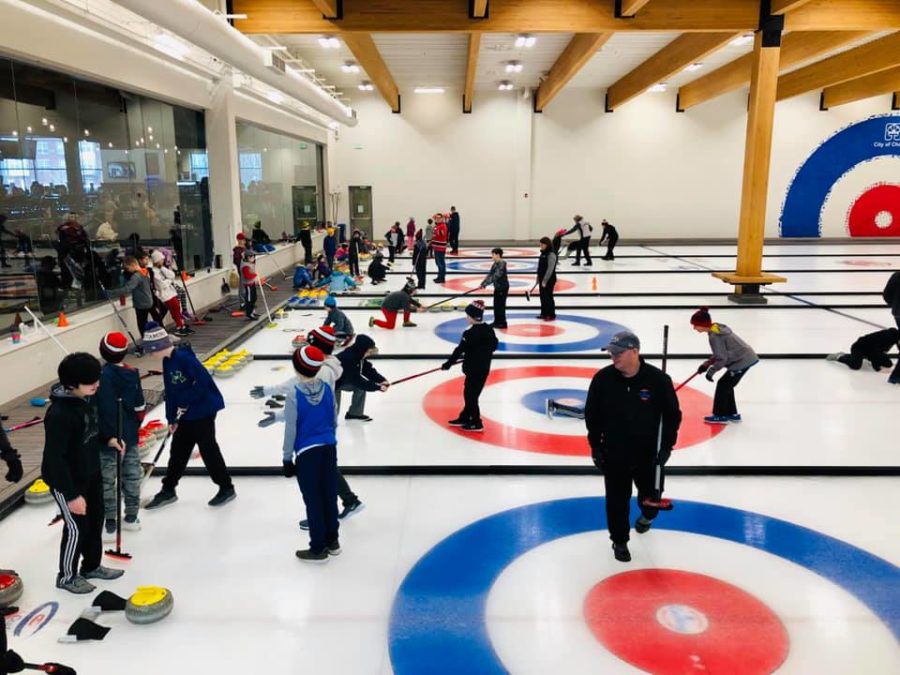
[892, 131]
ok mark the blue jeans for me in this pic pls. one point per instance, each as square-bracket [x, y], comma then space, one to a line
[318, 479]
[441, 265]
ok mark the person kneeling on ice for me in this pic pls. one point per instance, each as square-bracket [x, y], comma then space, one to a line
[338, 282]
[872, 347]
[730, 353]
[335, 318]
[631, 411]
[310, 452]
[476, 349]
[359, 377]
[396, 302]
[303, 277]
[377, 269]
[120, 382]
[71, 467]
[192, 402]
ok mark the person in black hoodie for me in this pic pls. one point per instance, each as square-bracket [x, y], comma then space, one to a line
[631, 406]
[71, 467]
[120, 381]
[377, 270]
[354, 249]
[358, 376]
[476, 349]
[611, 237]
[546, 276]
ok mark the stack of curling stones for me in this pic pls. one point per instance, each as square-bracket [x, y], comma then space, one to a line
[226, 363]
[307, 296]
[11, 588]
[149, 604]
[38, 493]
[149, 434]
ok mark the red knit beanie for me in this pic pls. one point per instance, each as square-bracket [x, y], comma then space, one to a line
[323, 338]
[701, 318]
[113, 347]
[308, 360]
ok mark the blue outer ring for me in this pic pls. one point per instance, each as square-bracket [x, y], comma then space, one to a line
[530, 266]
[438, 624]
[452, 330]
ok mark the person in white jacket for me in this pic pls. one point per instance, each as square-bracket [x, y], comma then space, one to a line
[162, 280]
[325, 339]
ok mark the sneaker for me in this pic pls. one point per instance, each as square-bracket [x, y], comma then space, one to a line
[79, 585]
[458, 422]
[549, 408]
[131, 524]
[588, 264]
[304, 525]
[311, 556]
[409, 324]
[109, 529]
[620, 551]
[716, 419]
[371, 321]
[473, 426]
[734, 418]
[223, 496]
[361, 418]
[103, 573]
[162, 498]
[333, 549]
[350, 509]
[576, 264]
[894, 378]
[641, 525]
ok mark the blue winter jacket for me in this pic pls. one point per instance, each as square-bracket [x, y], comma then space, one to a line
[120, 382]
[189, 386]
[309, 418]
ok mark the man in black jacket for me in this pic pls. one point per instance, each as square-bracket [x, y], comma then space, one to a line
[476, 349]
[626, 404]
[359, 377]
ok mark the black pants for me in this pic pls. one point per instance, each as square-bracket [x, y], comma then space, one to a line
[500, 308]
[548, 303]
[895, 375]
[353, 261]
[82, 536]
[317, 476]
[471, 391]
[723, 402]
[453, 240]
[347, 495]
[420, 275]
[248, 296]
[610, 245]
[584, 246]
[142, 316]
[306, 241]
[392, 251]
[201, 433]
[618, 477]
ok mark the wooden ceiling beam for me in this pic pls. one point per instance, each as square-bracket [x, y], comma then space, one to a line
[471, 66]
[784, 6]
[478, 9]
[331, 9]
[628, 8]
[671, 59]
[566, 16]
[877, 84]
[578, 52]
[795, 48]
[369, 59]
[869, 58]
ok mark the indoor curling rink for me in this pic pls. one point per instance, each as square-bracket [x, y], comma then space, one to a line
[490, 573]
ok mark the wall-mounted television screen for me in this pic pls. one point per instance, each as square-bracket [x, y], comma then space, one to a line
[120, 170]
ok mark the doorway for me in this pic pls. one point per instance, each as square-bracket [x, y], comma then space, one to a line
[361, 210]
[306, 205]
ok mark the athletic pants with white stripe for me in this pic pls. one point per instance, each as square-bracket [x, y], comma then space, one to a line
[82, 537]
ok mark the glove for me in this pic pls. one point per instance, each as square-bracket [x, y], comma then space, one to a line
[258, 392]
[599, 458]
[279, 397]
[703, 367]
[14, 464]
[272, 403]
[709, 375]
[664, 454]
[11, 662]
[287, 469]
[447, 365]
[268, 420]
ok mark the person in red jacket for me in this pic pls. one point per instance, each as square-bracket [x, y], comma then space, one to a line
[248, 284]
[438, 245]
[237, 253]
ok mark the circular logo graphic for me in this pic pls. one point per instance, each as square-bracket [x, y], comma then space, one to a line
[443, 402]
[588, 333]
[876, 212]
[701, 627]
[438, 623]
[520, 282]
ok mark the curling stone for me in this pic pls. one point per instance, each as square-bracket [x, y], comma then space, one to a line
[11, 588]
[157, 427]
[149, 604]
[298, 342]
[38, 493]
[224, 371]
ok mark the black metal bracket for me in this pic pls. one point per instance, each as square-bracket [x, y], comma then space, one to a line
[770, 25]
[466, 112]
[339, 9]
[619, 11]
[606, 107]
[678, 107]
[822, 102]
[397, 111]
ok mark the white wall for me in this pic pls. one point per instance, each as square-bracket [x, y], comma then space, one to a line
[650, 170]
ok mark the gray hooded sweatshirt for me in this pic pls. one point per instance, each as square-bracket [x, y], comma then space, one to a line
[729, 351]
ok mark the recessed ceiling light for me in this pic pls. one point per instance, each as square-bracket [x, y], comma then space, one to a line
[365, 85]
[350, 67]
[329, 42]
[525, 40]
[505, 85]
[658, 87]
[429, 90]
[514, 67]
[694, 66]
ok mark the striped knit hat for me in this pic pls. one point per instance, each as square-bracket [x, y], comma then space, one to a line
[322, 338]
[476, 310]
[156, 339]
[307, 360]
[113, 347]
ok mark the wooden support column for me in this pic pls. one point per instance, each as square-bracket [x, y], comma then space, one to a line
[748, 276]
[885, 82]
[471, 65]
[366, 52]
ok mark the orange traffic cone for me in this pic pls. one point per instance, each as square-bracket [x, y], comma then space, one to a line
[62, 321]
[594, 284]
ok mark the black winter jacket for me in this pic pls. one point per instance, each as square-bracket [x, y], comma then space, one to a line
[71, 443]
[357, 371]
[120, 382]
[891, 293]
[476, 349]
[622, 414]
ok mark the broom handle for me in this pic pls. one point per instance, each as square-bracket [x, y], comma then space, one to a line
[119, 434]
[453, 297]
[265, 301]
[412, 377]
[657, 481]
[40, 324]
